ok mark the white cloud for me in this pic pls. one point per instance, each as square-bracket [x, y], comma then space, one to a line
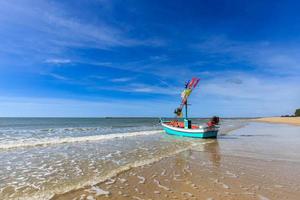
[144, 88]
[57, 76]
[264, 55]
[58, 61]
[97, 77]
[120, 80]
[254, 95]
[50, 28]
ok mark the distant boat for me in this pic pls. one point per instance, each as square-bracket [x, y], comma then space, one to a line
[183, 126]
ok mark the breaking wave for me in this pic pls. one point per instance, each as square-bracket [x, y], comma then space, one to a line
[53, 141]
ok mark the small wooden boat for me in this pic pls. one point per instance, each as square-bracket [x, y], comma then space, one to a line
[185, 127]
[195, 131]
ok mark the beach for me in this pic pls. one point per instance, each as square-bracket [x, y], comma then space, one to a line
[216, 169]
[284, 120]
[139, 161]
[193, 175]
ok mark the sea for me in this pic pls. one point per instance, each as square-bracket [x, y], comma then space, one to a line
[41, 157]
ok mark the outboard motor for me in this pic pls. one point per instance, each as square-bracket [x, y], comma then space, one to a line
[214, 121]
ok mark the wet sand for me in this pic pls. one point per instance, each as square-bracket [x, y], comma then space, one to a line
[285, 120]
[252, 163]
[200, 175]
[39, 163]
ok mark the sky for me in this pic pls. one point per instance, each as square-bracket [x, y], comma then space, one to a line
[96, 58]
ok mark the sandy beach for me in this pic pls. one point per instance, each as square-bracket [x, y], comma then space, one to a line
[285, 120]
[199, 175]
[248, 160]
[241, 165]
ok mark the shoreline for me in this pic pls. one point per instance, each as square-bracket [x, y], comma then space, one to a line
[198, 174]
[207, 171]
[239, 165]
[281, 120]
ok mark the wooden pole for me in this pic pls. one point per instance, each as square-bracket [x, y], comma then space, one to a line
[186, 110]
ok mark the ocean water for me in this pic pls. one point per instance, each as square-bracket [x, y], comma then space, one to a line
[41, 157]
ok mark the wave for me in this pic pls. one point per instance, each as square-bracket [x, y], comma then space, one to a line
[113, 173]
[51, 141]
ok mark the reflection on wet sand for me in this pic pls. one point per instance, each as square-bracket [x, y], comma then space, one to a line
[213, 150]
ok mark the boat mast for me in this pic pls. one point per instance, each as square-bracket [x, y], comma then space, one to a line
[186, 109]
[189, 86]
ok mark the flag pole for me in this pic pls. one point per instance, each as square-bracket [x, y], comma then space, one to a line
[186, 110]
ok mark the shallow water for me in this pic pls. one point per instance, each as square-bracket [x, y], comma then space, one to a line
[263, 141]
[42, 157]
[253, 162]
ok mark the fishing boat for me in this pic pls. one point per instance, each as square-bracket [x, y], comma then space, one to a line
[183, 126]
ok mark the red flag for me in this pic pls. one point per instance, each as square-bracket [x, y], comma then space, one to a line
[196, 83]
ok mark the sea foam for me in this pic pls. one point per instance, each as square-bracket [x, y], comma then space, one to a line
[53, 141]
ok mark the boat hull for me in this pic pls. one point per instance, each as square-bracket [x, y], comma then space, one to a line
[194, 133]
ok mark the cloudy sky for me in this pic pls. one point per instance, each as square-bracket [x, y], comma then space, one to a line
[131, 58]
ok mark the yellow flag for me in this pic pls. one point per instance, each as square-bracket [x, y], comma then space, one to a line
[187, 92]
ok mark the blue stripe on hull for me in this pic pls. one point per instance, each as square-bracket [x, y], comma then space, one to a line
[208, 134]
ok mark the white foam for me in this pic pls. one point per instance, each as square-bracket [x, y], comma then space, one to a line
[122, 180]
[110, 181]
[50, 141]
[222, 184]
[261, 197]
[90, 198]
[82, 197]
[187, 194]
[142, 179]
[163, 173]
[161, 186]
[137, 198]
[97, 191]
[101, 179]
[187, 169]
[232, 175]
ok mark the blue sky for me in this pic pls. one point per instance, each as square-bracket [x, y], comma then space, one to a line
[131, 58]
